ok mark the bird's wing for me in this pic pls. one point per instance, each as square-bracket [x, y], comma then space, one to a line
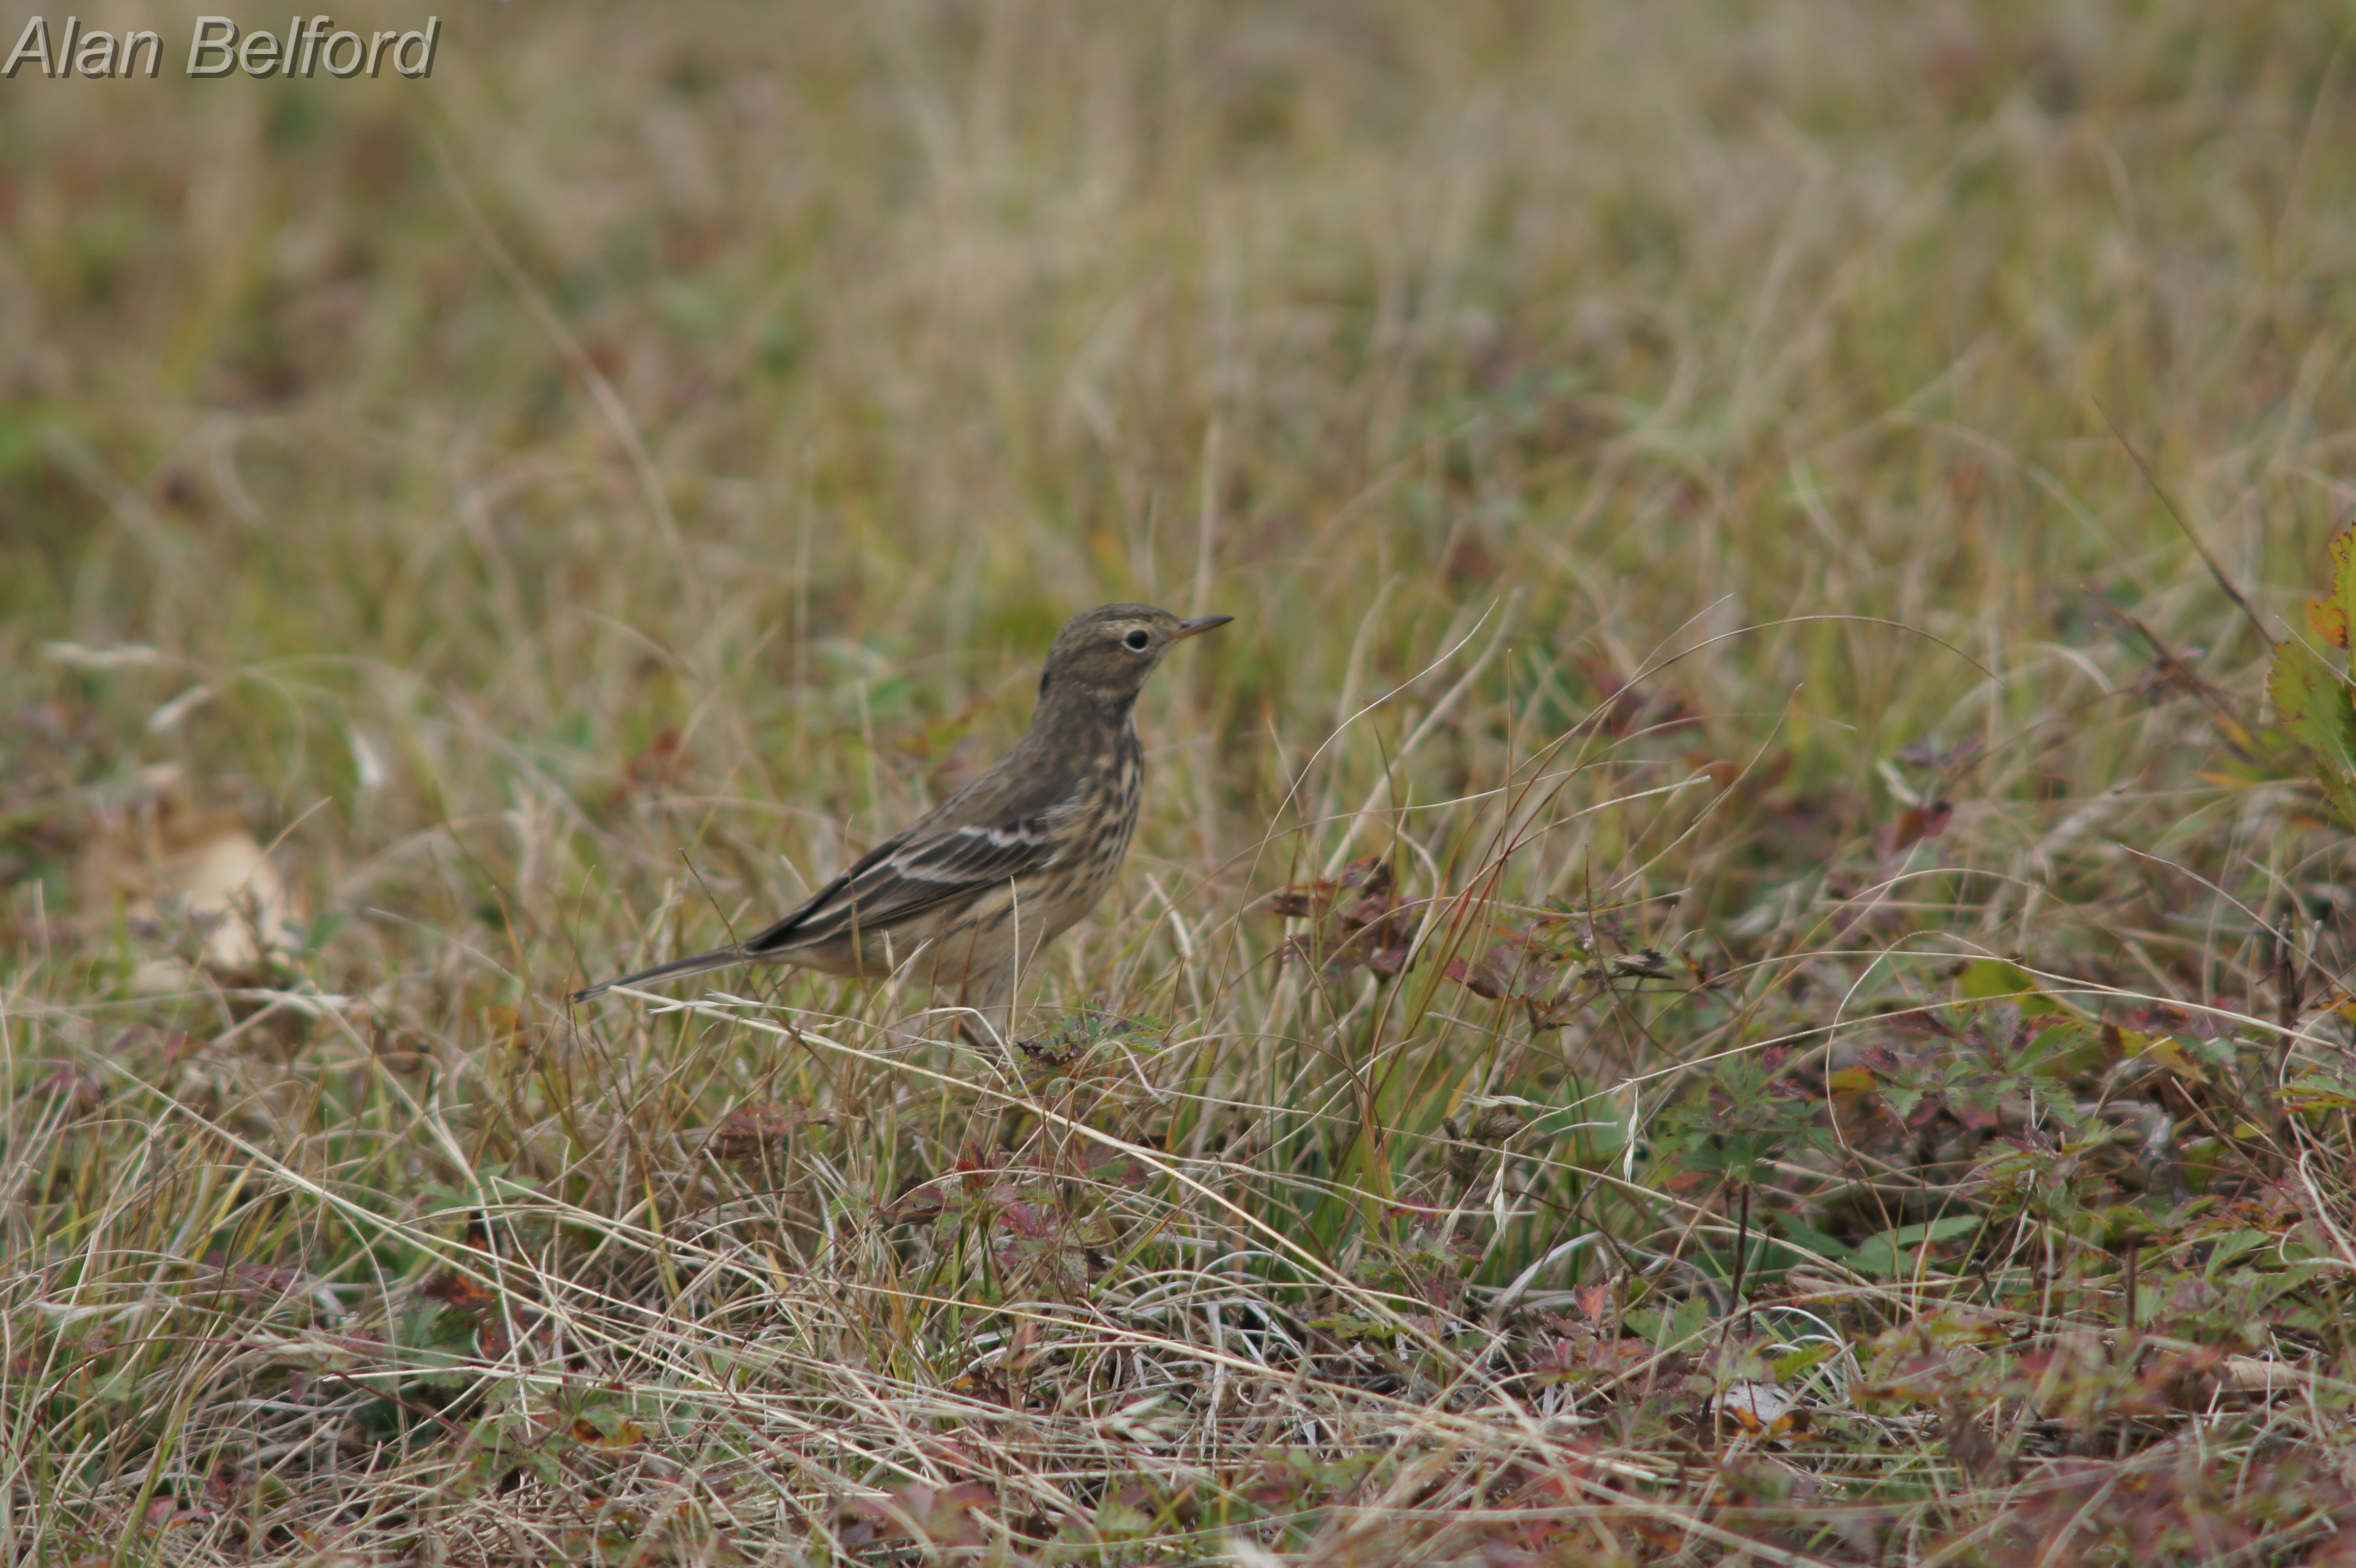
[922, 869]
[958, 852]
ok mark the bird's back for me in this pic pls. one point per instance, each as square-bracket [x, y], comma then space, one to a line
[1042, 834]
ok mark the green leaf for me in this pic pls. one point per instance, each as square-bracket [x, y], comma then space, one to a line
[1118, 1520]
[1901, 1098]
[1790, 1368]
[2319, 1091]
[1888, 1255]
[1667, 1330]
[1988, 979]
[2311, 703]
[1804, 1235]
[1347, 1325]
[2065, 1046]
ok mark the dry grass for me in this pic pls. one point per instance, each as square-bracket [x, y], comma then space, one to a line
[1671, 466]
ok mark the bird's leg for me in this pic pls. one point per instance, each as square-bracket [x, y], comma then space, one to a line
[975, 1029]
[987, 1022]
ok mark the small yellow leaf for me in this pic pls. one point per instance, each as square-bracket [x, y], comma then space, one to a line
[1991, 979]
[626, 1434]
[1850, 1080]
[2329, 616]
[2244, 1130]
[2169, 1053]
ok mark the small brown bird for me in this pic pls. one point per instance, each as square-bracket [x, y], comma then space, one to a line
[966, 897]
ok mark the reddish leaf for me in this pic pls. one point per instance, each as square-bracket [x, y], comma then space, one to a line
[1978, 1118]
[750, 1131]
[1298, 903]
[1917, 824]
[458, 1292]
[77, 1090]
[1631, 709]
[941, 1516]
[1031, 1219]
[657, 769]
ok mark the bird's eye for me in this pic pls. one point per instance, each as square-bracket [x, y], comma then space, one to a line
[1136, 640]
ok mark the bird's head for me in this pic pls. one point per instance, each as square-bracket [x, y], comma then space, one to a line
[1108, 652]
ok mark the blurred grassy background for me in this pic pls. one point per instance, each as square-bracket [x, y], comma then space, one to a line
[671, 435]
[939, 322]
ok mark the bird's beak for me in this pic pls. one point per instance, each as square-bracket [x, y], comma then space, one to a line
[1187, 628]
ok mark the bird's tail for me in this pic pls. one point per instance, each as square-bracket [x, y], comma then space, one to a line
[718, 958]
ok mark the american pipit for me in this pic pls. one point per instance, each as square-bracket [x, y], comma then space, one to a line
[966, 897]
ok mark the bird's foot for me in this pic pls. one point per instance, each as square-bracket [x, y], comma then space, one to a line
[982, 1038]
